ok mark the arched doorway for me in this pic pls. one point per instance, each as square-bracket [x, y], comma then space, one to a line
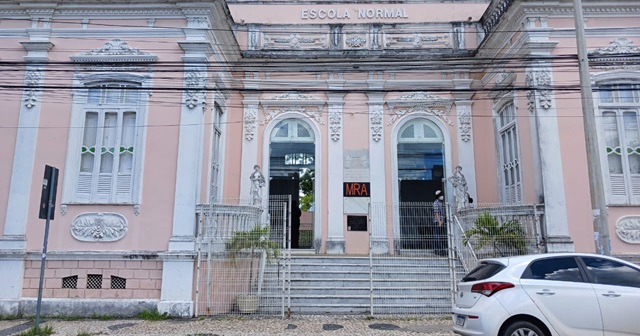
[420, 165]
[292, 173]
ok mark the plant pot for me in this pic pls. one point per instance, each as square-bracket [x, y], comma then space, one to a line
[248, 303]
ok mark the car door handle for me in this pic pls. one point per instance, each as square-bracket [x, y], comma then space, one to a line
[611, 294]
[545, 292]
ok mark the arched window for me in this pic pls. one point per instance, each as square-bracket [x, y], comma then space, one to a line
[509, 154]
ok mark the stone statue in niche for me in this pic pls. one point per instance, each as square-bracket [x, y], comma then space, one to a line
[257, 183]
[460, 189]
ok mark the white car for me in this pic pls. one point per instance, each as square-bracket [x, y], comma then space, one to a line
[555, 294]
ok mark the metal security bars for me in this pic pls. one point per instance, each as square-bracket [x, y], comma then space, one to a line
[242, 254]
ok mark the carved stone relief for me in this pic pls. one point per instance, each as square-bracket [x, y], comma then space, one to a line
[294, 41]
[376, 124]
[420, 102]
[356, 41]
[32, 82]
[250, 119]
[335, 125]
[628, 229]
[539, 82]
[292, 102]
[99, 227]
[195, 82]
[312, 112]
[615, 56]
[464, 120]
[416, 40]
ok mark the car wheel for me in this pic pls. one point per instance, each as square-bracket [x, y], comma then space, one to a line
[523, 328]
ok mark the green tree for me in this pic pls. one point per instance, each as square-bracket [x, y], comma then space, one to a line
[306, 186]
[506, 236]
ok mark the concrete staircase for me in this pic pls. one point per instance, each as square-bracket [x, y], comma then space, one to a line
[350, 285]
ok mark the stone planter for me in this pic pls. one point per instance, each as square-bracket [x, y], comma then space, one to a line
[248, 303]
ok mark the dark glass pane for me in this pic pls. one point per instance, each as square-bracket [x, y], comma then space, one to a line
[559, 269]
[609, 272]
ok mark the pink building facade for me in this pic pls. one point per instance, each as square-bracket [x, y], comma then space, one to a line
[153, 107]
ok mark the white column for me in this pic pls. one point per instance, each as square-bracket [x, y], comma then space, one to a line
[542, 102]
[377, 159]
[249, 144]
[13, 239]
[335, 236]
[176, 297]
[466, 153]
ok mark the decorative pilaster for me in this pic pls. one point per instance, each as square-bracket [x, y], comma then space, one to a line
[466, 152]
[13, 239]
[541, 103]
[249, 142]
[335, 236]
[380, 243]
[177, 272]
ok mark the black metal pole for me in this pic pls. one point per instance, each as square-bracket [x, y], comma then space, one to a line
[52, 183]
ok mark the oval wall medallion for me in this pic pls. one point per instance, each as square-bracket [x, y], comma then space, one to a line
[628, 229]
[99, 226]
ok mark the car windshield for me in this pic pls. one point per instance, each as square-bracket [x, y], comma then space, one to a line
[483, 271]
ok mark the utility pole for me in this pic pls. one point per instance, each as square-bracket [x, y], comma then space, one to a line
[596, 183]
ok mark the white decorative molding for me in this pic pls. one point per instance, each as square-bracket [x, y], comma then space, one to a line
[32, 82]
[376, 124]
[63, 209]
[416, 40]
[250, 119]
[99, 227]
[292, 102]
[464, 120]
[335, 125]
[315, 114]
[628, 229]
[294, 41]
[356, 41]
[621, 45]
[115, 50]
[195, 83]
[420, 102]
[136, 209]
[538, 82]
[616, 56]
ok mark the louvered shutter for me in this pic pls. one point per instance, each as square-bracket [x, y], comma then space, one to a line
[124, 182]
[618, 187]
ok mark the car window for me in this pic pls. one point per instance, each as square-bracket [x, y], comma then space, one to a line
[558, 269]
[610, 272]
[483, 271]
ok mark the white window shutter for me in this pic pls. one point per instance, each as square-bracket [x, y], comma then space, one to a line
[103, 191]
[635, 188]
[83, 187]
[618, 189]
[123, 187]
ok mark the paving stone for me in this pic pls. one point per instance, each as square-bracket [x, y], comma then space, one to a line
[331, 326]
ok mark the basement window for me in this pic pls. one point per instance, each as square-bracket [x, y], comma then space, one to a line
[118, 283]
[70, 282]
[94, 281]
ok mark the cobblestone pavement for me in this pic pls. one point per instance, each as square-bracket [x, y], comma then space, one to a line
[235, 326]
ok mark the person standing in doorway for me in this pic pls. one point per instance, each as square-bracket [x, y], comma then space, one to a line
[295, 224]
[440, 223]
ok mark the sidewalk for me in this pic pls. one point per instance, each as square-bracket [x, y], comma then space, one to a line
[237, 326]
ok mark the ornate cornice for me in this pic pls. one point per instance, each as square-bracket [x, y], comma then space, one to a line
[99, 227]
[115, 50]
[619, 54]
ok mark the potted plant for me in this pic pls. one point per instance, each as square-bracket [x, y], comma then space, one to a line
[252, 241]
[500, 236]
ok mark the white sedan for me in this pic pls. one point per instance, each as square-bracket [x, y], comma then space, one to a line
[555, 294]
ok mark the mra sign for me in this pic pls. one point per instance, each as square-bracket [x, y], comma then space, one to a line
[356, 189]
